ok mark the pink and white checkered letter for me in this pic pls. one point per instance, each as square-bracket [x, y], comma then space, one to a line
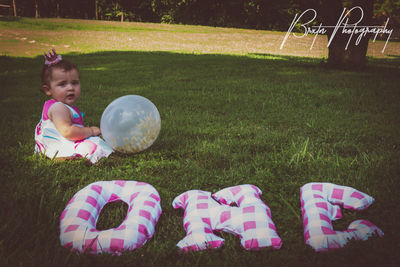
[320, 205]
[250, 220]
[78, 220]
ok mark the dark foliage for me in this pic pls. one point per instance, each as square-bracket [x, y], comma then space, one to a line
[255, 14]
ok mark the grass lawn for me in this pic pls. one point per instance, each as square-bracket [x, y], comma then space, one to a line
[229, 116]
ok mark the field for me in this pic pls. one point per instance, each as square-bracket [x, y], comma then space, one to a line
[235, 109]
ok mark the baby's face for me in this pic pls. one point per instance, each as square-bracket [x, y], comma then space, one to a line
[65, 86]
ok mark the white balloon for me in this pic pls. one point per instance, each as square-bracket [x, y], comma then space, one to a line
[130, 124]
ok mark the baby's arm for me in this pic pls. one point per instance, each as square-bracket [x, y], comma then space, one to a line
[61, 116]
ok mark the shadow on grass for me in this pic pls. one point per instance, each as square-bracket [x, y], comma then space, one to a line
[211, 84]
[108, 75]
[109, 58]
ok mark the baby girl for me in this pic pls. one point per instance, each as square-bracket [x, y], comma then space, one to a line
[61, 133]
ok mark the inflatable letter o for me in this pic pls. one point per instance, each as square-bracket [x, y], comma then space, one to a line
[78, 220]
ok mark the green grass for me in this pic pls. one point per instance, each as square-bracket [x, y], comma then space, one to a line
[273, 121]
[93, 25]
[29, 24]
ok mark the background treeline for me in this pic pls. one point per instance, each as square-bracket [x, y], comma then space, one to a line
[254, 14]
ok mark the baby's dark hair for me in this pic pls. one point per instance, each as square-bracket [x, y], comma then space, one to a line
[47, 70]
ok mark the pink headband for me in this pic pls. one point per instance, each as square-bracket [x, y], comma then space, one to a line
[51, 58]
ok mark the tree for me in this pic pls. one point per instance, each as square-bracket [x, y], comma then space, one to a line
[36, 9]
[57, 9]
[96, 9]
[345, 50]
[15, 8]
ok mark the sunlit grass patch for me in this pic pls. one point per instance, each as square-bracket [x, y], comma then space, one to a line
[33, 36]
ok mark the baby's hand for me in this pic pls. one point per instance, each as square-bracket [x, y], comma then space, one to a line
[95, 130]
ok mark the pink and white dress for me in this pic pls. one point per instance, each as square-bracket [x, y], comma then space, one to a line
[51, 143]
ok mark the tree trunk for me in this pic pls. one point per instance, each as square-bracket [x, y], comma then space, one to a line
[358, 53]
[122, 16]
[36, 9]
[58, 9]
[331, 12]
[346, 50]
[15, 8]
[96, 4]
